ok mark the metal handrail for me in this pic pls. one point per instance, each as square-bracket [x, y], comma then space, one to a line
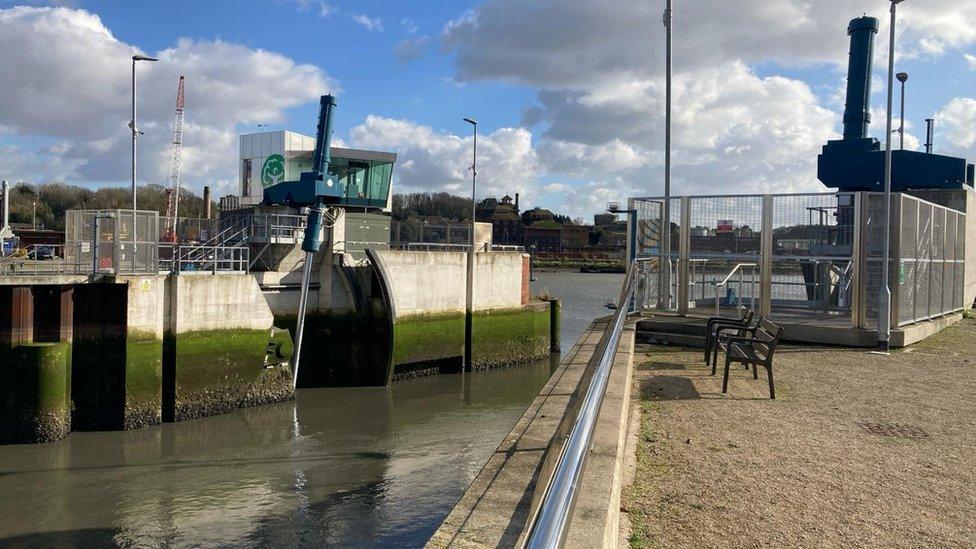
[725, 282]
[29, 263]
[549, 525]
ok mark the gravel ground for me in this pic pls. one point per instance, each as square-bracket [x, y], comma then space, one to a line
[809, 469]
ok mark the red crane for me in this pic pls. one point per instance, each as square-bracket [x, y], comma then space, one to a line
[175, 167]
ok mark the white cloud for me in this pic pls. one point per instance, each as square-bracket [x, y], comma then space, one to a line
[57, 60]
[367, 22]
[599, 78]
[411, 48]
[327, 10]
[583, 200]
[971, 59]
[428, 160]
[409, 25]
[957, 123]
[578, 43]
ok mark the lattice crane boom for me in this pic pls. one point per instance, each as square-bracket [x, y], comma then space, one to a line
[176, 163]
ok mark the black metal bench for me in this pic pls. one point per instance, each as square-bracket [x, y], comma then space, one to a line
[756, 349]
[716, 324]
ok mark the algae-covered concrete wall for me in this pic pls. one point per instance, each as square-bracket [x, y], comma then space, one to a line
[35, 362]
[507, 336]
[118, 352]
[35, 392]
[145, 312]
[217, 343]
[427, 296]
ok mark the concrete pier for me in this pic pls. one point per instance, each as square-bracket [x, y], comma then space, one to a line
[494, 510]
[90, 354]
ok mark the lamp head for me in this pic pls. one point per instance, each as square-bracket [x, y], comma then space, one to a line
[902, 77]
[144, 58]
[471, 121]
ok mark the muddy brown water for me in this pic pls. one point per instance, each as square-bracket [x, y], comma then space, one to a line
[338, 467]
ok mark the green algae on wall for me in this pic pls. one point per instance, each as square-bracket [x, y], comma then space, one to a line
[217, 371]
[35, 392]
[428, 338]
[143, 379]
[510, 336]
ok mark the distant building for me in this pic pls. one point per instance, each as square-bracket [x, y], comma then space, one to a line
[536, 215]
[503, 216]
[543, 238]
[574, 238]
[603, 219]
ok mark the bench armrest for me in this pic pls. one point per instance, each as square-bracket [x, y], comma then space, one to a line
[741, 339]
[746, 329]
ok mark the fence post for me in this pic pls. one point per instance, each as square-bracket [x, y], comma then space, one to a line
[857, 267]
[766, 258]
[684, 252]
[896, 226]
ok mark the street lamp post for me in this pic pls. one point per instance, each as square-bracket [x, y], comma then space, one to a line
[132, 125]
[902, 77]
[884, 301]
[666, 225]
[469, 293]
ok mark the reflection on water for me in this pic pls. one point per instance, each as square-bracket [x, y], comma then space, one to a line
[350, 466]
[346, 466]
[584, 297]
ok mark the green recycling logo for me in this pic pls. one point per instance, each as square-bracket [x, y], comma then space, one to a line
[273, 171]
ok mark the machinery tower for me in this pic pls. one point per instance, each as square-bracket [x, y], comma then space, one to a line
[175, 165]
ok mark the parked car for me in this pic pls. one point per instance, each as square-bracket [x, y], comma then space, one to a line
[40, 253]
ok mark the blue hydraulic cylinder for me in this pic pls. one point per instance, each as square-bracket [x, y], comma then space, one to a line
[314, 189]
[857, 114]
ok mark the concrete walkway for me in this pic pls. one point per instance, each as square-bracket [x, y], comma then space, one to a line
[494, 510]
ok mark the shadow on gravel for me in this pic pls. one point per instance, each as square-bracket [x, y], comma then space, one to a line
[660, 388]
[665, 366]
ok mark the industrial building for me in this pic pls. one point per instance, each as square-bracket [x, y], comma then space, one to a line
[815, 261]
[268, 158]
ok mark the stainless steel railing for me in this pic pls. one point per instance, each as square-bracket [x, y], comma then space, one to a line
[563, 467]
[739, 267]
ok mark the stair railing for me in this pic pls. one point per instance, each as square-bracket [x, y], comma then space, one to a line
[739, 267]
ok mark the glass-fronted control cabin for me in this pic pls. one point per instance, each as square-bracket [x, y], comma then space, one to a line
[268, 158]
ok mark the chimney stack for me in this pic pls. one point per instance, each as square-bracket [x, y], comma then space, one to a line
[206, 201]
[516, 202]
[6, 205]
[929, 134]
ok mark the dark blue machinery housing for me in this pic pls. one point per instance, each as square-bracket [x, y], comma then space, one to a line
[856, 162]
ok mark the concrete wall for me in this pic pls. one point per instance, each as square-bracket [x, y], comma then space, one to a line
[207, 302]
[145, 315]
[425, 282]
[217, 347]
[498, 278]
[435, 282]
[427, 291]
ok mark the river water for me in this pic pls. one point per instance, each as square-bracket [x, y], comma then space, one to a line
[338, 467]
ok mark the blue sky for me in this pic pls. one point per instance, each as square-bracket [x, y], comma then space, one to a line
[568, 92]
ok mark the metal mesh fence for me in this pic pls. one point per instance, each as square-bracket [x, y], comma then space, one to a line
[822, 256]
[812, 253]
[112, 241]
[930, 262]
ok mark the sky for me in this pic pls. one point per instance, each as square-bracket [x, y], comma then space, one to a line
[569, 94]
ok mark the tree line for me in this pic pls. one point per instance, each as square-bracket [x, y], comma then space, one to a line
[51, 200]
[446, 205]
